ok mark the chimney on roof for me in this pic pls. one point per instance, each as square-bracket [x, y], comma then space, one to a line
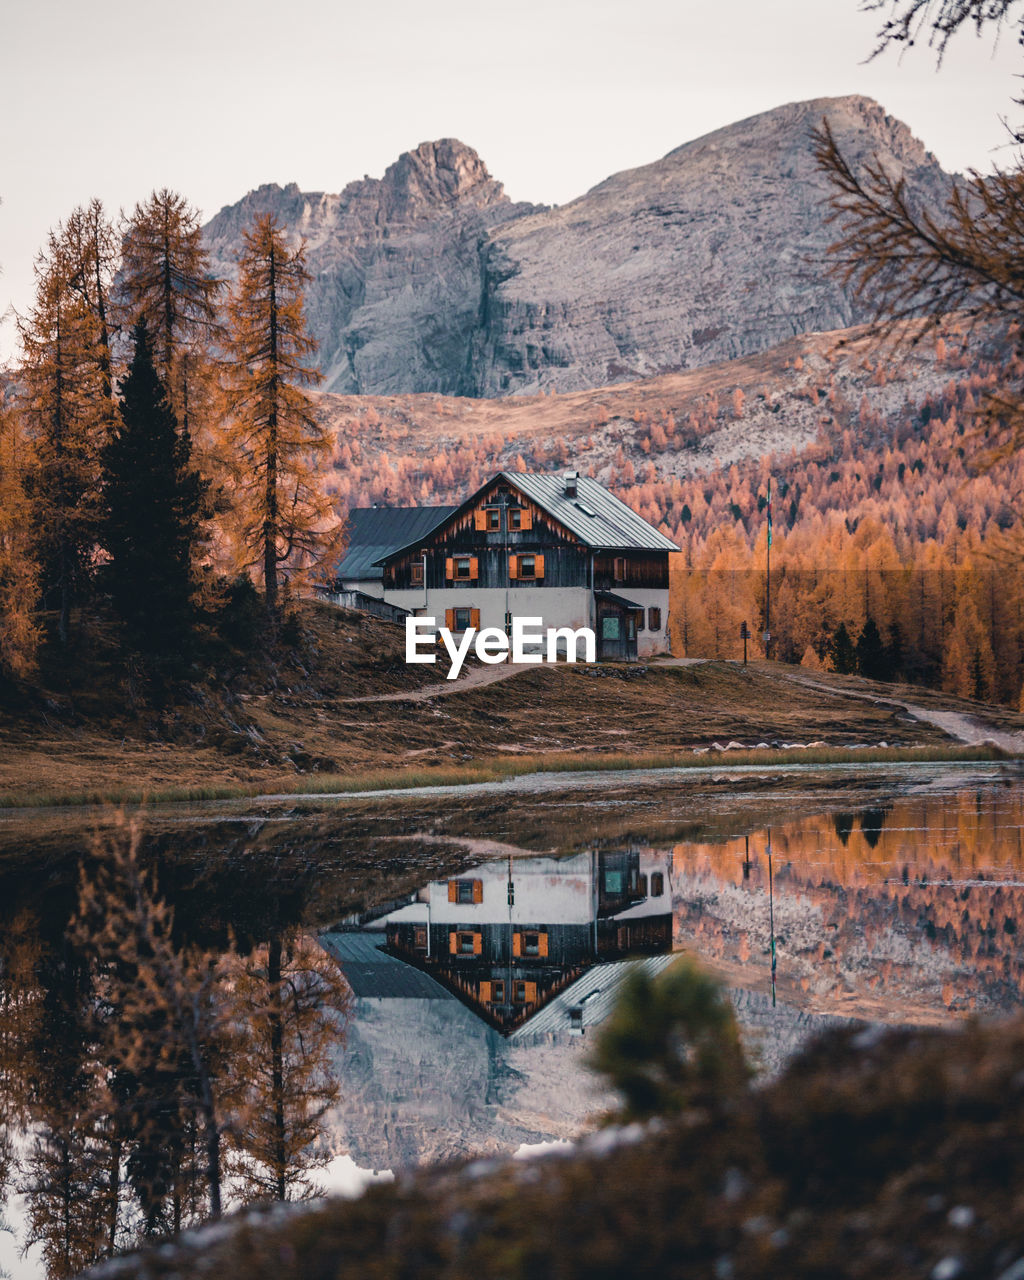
[571, 479]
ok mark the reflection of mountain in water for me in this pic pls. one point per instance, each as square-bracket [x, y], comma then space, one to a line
[423, 1078]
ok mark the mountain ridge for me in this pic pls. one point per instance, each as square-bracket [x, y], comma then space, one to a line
[430, 279]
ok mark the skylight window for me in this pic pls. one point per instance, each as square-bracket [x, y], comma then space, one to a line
[585, 509]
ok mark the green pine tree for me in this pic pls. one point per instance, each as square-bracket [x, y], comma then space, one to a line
[152, 498]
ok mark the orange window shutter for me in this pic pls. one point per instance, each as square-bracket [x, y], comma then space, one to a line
[526, 519]
[513, 566]
[480, 520]
[474, 567]
[542, 948]
[453, 943]
[517, 944]
[449, 619]
[449, 568]
[453, 890]
[538, 566]
[474, 618]
[478, 891]
[531, 992]
[485, 992]
[478, 944]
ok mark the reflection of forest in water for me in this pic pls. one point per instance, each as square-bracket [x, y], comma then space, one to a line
[148, 1062]
[917, 903]
[153, 1066]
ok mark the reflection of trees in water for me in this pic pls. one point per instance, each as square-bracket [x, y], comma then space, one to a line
[843, 823]
[918, 901]
[871, 823]
[146, 1065]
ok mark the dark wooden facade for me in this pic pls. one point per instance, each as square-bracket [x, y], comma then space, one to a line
[567, 562]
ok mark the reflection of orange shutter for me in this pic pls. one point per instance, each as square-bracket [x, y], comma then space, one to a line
[531, 992]
[478, 944]
[453, 890]
[542, 948]
[480, 520]
[449, 569]
[517, 944]
[485, 992]
[513, 566]
[449, 619]
[526, 519]
[474, 568]
[478, 891]
[453, 943]
[474, 618]
[538, 566]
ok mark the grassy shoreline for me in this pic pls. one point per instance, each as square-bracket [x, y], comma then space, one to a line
[498, 769]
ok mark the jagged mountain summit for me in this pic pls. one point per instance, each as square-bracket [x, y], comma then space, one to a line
[431, 279]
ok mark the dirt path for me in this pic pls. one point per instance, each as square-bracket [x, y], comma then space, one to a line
[963, 728]
[473, 678]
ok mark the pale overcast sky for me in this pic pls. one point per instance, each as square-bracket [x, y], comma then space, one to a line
[112, 98]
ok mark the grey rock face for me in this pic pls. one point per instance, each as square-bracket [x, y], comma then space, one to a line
[715, 251]
[395, 264]
[429, 279]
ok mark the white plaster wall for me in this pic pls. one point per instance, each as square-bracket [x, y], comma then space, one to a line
[649, 642]
[548, 891]
[368, 586]
[555, 606]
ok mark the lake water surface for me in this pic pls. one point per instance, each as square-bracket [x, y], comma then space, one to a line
[482, 941]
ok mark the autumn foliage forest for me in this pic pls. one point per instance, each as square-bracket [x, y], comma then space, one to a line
[893, 527]
[894, 522]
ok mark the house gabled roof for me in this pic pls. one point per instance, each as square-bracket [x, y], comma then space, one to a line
[594, 515]
[375, 532]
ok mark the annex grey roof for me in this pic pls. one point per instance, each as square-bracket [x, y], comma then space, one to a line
[373, 974]
[374, 532]
[594, 515]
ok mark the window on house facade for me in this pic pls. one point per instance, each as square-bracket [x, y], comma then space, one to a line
[657, 884]
[493, 517]
[531, 944]
[463, 567]
[515, 517]
[654, 619]
[419, 937]
[466, 944]
[619, 569]
[519, 992]
[527, 566]
[463, 619]
[498, 991]
[416, 573]
[641, 886]
[464, 891]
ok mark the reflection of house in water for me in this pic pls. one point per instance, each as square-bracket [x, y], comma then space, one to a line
[508, 937]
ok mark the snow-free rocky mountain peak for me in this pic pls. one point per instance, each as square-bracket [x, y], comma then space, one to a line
[431, 279]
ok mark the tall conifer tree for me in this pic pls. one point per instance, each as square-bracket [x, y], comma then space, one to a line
[66, 412]
[152, 497]
[285, 517]
[166, 281]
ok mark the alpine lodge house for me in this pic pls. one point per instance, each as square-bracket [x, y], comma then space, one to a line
[556, 547]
